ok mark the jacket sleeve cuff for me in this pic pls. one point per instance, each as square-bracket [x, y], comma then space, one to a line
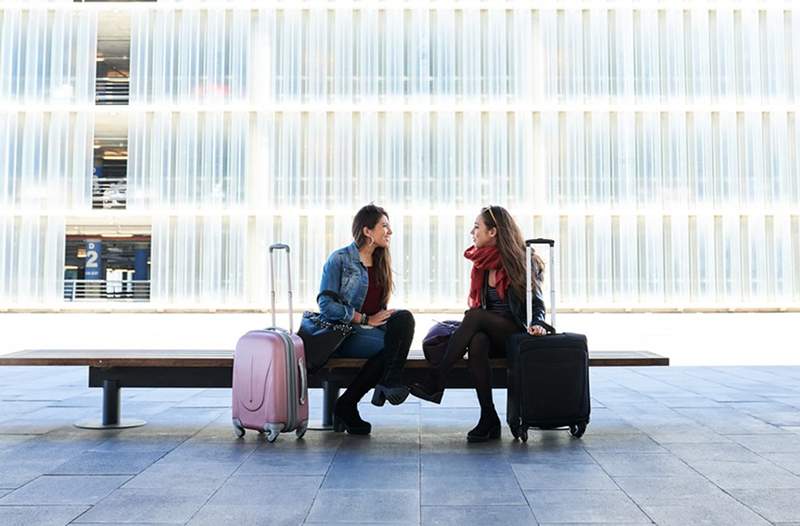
[348, 313]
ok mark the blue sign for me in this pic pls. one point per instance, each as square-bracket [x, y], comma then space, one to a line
[94, 266]
[140, 264]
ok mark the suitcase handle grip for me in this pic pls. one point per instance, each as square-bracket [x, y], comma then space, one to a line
[540, 241]
[279, 246]
[303, 380]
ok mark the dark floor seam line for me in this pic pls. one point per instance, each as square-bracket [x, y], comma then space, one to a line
[738, 376]
[487, 505]
[652, 520]
[91, 506]
[41, 505]
[722, 489]
[686, 388]
[324, 477]
[223, 482]
[759, 455]
[718, 381]
[528, 502]
[639, 372]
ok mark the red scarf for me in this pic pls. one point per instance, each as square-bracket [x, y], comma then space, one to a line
[483, 259]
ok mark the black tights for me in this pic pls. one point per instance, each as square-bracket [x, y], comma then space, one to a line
[484, 333]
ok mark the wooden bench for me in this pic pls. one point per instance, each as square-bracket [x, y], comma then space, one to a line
[115, 369]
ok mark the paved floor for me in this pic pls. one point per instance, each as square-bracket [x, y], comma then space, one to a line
[666, 446]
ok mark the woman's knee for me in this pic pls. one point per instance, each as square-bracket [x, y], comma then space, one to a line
[402, 321]
[474, 318]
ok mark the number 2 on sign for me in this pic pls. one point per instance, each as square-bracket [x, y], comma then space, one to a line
[91, 256]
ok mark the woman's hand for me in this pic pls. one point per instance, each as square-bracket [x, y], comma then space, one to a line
[536, 330]
[379, 318]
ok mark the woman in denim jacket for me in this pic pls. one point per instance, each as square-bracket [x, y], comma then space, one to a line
[497, 302]
[360, 274]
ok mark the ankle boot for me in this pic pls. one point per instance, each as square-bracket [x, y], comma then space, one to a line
[429, 389]
[488, 427]
[397, 342]
[347, 418]
[345, 413]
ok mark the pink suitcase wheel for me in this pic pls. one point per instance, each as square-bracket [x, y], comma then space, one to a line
[237, 428]
[271, 432]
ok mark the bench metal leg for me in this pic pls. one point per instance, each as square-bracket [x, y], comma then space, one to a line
[330, 393]
[111, 410]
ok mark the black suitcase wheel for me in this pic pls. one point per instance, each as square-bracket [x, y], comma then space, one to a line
[519, 432]
[515, 430]
[577, 430]
[523, 433]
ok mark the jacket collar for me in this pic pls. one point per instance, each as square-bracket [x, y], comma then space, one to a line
[352, 252]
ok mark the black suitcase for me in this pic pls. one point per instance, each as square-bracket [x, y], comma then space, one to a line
[548, 376]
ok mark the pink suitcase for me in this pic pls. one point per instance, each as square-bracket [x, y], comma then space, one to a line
[270, 390]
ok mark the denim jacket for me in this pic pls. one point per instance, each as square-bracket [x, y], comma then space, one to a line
[344, 274]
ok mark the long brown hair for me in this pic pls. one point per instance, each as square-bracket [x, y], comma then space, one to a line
[369, 216]
[511, 245]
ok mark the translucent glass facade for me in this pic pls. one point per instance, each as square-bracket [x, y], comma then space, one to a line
[47, 77]
[658, 142]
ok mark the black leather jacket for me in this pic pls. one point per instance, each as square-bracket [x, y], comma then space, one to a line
[517, 305]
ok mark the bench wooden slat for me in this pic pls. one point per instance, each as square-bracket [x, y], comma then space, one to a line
[224, 358]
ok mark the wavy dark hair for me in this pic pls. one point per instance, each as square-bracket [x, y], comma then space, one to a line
[511, 245]
[369, 216]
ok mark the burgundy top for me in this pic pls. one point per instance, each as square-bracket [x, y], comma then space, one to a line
[372, 303]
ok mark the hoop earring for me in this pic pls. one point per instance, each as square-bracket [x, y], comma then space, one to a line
[371, 241]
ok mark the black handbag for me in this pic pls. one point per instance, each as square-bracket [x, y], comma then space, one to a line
[321, 338]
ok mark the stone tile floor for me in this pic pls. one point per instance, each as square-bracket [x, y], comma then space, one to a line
[678, 445]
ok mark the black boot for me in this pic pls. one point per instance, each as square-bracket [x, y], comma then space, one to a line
[345, 413]
[430, 389]
[488, 427]
[397, 342]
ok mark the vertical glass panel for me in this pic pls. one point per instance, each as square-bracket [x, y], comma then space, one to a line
[45, 160]
[704, 260]
[677, 261]
[47, 56]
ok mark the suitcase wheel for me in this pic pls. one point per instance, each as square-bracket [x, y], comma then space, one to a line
[577, 430]
[515, 430]
[519, 432]
[238, 430]
[301, 430]
[271, 432]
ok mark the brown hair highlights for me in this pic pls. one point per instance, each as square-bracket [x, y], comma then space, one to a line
[511, 245]
[369, 216]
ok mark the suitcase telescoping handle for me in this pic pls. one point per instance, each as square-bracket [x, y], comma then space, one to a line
[528, 255]
[272, 249]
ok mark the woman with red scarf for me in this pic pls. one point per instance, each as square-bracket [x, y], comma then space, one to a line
[496, 310]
